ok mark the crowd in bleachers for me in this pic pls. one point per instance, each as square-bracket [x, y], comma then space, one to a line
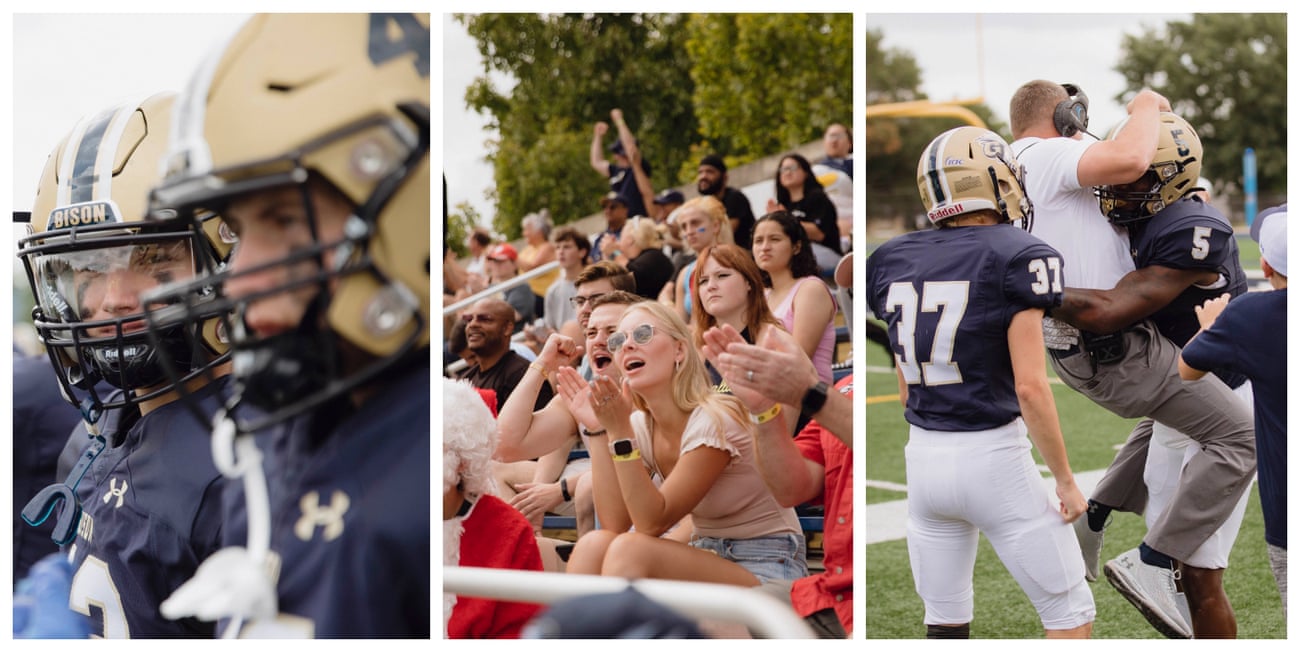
[618, 401]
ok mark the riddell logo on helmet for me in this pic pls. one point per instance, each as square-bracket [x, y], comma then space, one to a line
[946, 211]
[82, 215]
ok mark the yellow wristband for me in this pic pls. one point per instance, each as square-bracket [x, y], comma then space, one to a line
[763, 417]
[624, 450]
[539, 367]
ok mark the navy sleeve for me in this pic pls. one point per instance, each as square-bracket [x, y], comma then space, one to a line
[1034, 278]
[1215, 349]
[1192, 245]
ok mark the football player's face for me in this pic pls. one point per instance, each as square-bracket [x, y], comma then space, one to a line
[108, 282]
[272, 225]
[772, 249]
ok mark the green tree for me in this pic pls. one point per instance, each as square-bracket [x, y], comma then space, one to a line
[1226, 75]
[570, 71]
[460, 221]
[893, 144]
[745, 85]
[765, 83]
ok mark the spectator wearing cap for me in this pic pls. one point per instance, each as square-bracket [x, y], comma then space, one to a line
[1248, 336]
[711, 181]
[502, 266]
[622, 180]
[664, 205]
[615, 206]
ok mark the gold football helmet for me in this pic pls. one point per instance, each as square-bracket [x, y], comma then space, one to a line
[1175, 172]
[90, 254]
[970, 169]
[341, 99]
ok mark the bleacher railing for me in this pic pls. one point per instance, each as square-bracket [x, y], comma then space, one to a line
[762, 614]
[501, 287]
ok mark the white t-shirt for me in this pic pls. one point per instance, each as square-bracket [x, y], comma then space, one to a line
[1066, 216]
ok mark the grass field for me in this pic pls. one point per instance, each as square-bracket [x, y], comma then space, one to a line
[894, 611]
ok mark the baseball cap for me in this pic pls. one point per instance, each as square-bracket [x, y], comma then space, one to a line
[617, 147]
[714, 161]
[502, 251]
[613, 195]
[670, 197]
[1269, 230]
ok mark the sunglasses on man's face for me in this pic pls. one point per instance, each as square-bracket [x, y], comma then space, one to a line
[641, 335]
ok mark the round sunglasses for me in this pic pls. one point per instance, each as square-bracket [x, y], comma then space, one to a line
[641, 335]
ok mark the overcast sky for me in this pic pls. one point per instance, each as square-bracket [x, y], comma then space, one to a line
[69, 65]
[1073, 48]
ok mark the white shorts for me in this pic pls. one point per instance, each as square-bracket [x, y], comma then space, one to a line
[962, 483]
[1167, 454]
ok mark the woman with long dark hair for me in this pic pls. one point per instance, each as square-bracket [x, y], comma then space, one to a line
[799, 193]
[798, 297]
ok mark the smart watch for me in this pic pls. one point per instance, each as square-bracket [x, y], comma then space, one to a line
[814, 398]
[624, 450]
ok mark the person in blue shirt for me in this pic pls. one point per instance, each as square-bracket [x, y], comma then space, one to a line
[1248, 336]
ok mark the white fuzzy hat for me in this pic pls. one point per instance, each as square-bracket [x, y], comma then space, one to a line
[469, 436]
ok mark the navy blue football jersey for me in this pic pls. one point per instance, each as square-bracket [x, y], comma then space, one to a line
[948, 296]
[1188, 234]
[350, 518]
[151, 506]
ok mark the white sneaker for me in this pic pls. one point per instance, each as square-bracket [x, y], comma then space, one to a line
[1152, 590]
[1185, 610]
[1090, 546]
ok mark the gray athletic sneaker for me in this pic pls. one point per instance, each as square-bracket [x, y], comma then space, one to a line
[1152, 590]
[1090, 545]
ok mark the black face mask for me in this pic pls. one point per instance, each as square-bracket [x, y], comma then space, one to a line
[136, 362]
[278, 371]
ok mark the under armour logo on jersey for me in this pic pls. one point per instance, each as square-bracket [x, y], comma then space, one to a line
[329, 517]
[115, 491]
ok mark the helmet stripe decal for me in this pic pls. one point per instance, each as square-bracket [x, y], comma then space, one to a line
[187, 150]
[81, 181]
[934, 170]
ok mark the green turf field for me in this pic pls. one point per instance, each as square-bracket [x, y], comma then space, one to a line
[893, 610]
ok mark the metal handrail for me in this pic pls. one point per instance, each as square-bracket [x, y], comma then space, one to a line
[501, 287]
[761, 613]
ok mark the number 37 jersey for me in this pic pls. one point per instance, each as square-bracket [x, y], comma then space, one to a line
[948, 296]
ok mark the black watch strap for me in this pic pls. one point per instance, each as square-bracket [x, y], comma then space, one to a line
[814, 398]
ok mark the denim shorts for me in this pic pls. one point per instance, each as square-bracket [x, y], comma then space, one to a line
[776, 557]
